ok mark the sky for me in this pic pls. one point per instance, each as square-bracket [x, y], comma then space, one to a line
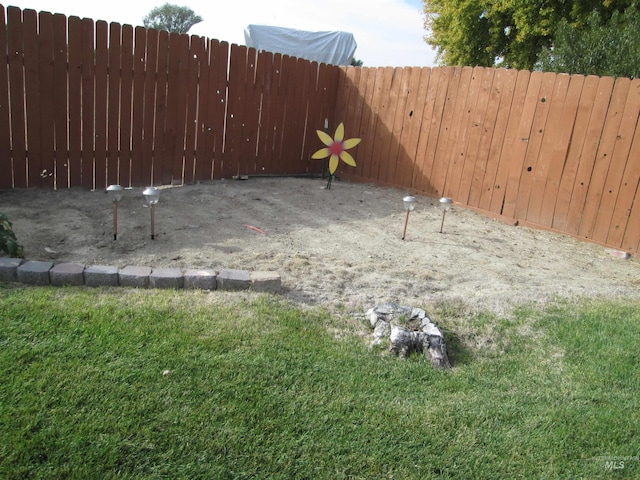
[388, 32]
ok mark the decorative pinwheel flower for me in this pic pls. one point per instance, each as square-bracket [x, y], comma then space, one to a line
[336, 149]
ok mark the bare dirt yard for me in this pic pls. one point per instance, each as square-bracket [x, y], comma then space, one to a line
[340, 248]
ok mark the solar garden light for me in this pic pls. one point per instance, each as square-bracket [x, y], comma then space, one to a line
[409, 205]
[445, 205]
[115, 193]
[152, 195]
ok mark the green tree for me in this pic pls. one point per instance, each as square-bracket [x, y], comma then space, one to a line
[605, 48]
[507, 33]
[172, 18]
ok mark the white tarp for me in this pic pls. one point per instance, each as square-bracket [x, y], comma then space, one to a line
[335, 48]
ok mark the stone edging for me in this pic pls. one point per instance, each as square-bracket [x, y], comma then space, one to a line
[37, 272]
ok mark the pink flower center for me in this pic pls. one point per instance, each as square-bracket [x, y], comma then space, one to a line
[336, 148]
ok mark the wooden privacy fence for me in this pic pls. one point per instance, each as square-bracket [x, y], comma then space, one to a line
[88, 104]
[84, 103]
[553, 151]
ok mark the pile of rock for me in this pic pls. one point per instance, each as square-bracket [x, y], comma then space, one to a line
[408, 330]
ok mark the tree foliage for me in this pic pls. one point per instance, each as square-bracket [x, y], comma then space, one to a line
[507, 33]
[172, 18]
[8, 241]
[605, 48]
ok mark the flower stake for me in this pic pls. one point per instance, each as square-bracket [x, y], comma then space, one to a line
[336, 148]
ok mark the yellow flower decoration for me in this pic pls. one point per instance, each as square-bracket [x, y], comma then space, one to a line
[336, 148]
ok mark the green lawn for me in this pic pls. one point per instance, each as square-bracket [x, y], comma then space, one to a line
[260, 389]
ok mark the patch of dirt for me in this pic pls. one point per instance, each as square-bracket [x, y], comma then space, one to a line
[339, 248]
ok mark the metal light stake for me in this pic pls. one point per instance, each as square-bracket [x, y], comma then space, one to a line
[445, 205]
[409, 205]
[152, 195]
[115, 192]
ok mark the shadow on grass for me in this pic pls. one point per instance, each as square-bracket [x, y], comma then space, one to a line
[458, 353]
[452, 318]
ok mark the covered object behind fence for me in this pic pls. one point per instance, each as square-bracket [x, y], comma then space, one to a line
[333, 47]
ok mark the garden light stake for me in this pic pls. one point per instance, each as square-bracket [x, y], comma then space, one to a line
[115, 192]
[152, 195]
[409, 205]
[445, 205]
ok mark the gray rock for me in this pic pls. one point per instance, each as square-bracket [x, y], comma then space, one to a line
[234, 280]
[203, 279]
[34, 272]
[408, 330]
[9, 269]
[67, 274]
[166, 278]
[101, 275]
[134, 276]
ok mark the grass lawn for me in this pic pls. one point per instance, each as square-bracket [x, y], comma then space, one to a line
[257, 388]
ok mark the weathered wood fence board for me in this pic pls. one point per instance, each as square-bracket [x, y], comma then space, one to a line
[558, 149]
[6, 157]
[588, 153]
[15, 54]
[608, 140]
[492, 135]
[621, 218]
[550, 133]
[90, 104]
[434, 84]
[574, 154]
[481, 130]
[410, 132]
[618, 162]
[552, 151]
